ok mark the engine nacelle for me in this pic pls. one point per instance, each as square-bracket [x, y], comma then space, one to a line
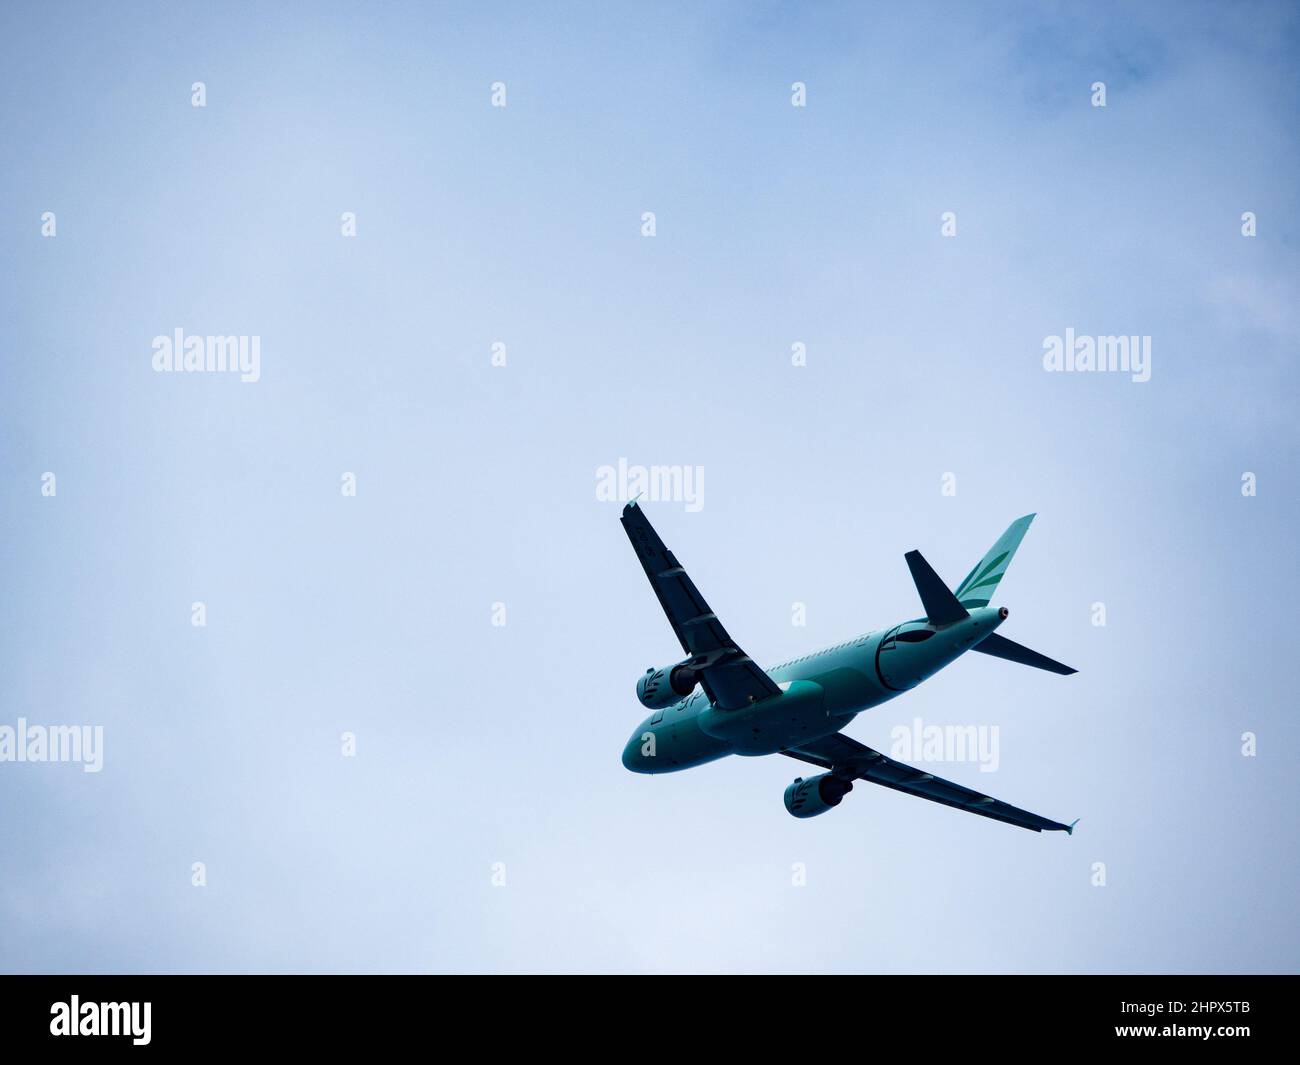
[816, 795]
[659, 688]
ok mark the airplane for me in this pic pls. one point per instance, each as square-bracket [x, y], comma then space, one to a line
[717, 701]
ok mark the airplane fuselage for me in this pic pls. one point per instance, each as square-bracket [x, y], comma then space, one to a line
[820, 694]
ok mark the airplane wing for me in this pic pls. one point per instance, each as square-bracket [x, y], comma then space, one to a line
[728, 675]
[844, 755]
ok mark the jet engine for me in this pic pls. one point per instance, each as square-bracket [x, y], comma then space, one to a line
[808, 798]
[659, 688]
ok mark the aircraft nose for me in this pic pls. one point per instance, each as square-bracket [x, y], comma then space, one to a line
[632, 756]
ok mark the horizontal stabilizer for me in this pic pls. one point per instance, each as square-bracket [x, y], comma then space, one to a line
[1001, 647]
[941, 606]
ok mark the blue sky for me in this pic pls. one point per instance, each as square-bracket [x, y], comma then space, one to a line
[775, 225]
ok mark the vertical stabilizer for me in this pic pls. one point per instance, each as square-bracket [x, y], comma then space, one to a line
[980, 584]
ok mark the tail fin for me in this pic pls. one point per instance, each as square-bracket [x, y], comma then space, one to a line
[980, 584]
[941, 606]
